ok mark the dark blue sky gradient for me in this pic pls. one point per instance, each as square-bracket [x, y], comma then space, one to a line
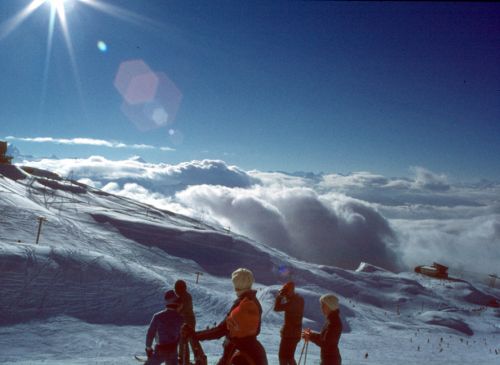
[313, 86]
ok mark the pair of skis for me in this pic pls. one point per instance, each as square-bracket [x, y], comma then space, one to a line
[199, 355]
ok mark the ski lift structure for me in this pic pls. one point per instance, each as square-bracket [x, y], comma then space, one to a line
[435, 270]
[4, 159]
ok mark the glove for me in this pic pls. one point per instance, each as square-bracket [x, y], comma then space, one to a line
[149, 352]
[306, 334]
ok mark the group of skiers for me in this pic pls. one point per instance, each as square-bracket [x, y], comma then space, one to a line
[175, 327]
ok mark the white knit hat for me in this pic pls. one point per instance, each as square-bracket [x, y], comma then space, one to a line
[330, 300]
[242, 280]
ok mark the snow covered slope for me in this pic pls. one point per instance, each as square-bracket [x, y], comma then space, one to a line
[87, 291]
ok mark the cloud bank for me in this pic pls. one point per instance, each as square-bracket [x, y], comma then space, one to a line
[333, 230]
[86, 142]
[156, 178]
[332, 219]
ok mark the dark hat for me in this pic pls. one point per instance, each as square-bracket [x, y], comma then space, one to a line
[170, 297]
[180, 286]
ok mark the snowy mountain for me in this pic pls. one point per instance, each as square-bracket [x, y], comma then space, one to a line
[86, 292]
[16, 155]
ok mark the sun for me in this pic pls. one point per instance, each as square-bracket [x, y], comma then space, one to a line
[57, 13]
[60, 6]
[56, 3]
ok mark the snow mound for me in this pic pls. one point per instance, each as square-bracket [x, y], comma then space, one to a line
[41, 282]
[446, 319]
[217, 253]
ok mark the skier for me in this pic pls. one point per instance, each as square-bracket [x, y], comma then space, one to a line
[293, 305]
[241, 326]
[185, 302]
[328, 338]
[166, 327]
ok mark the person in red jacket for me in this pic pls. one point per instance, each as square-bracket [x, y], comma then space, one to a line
[292, 304]
[328, 338]
[241, 326]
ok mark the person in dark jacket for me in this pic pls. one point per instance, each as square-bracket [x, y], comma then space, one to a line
[293, 305]
[241, 326]
[328, 338]
[185, 302]
[166, 328]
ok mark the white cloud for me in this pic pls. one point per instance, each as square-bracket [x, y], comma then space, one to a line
[470, 245]
[301, 223]
[360, 179]
[428, 180]
[423, 180]
[87, 142]
[89, 182]
[168, 149]
[161, 178]
[332, 219]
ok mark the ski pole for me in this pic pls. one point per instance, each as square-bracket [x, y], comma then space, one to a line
[305, 356]
[302, 352]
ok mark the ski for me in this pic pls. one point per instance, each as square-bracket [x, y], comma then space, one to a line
[199, 355]
[140, 359]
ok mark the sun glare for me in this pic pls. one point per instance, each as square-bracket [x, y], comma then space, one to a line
[58, 6]
[56, 3]
[58, 10]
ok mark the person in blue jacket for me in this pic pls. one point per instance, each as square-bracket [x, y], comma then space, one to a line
[165, 327]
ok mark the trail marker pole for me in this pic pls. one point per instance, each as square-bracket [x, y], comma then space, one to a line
[40, 222]
[198, 275]
[493, 277]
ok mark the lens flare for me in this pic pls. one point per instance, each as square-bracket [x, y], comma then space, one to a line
[136, 82]
[176, 136]
[102, 46]
[150, 99]
[284, 271]
[160, 116]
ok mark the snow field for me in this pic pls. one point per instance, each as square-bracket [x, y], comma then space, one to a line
[86, 293]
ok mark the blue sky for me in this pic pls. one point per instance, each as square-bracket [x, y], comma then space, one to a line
[333, 87]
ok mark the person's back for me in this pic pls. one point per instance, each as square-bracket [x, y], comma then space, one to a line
[165, 327]
[185, 302]
[186, 308]
[294, 311]
[293, 305]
